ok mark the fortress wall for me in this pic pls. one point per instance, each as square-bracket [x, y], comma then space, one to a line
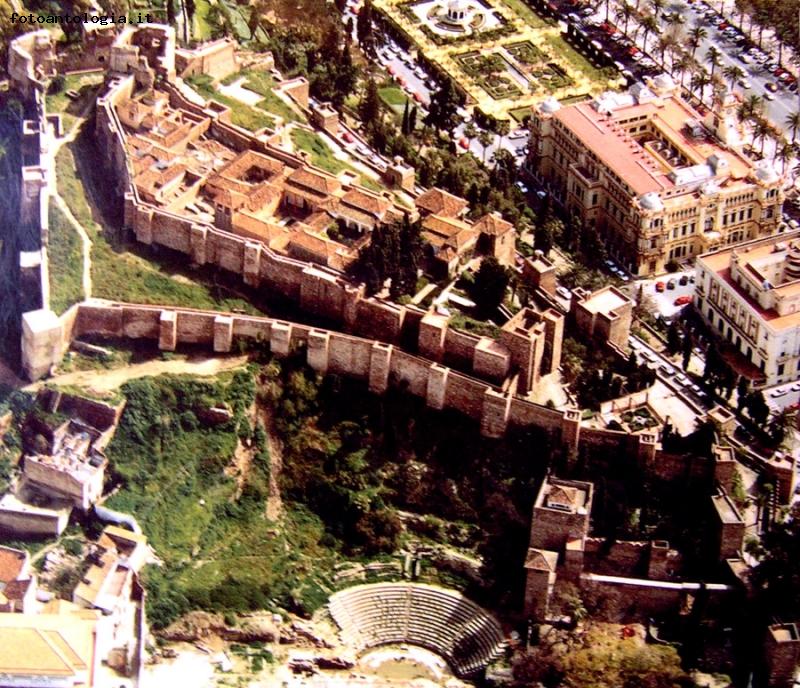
[379, 320]
[677, 466]
[140, 323]
[195, 328]
[411, 371]
[283, 276]
[459, 348]
[172, 231]
[606, 439]
[251, 328]
[349, 356]
[527, 413]
[465, 394]
[226, 251]
[635, 598]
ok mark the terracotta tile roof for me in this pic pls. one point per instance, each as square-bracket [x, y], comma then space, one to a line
[366, 202]
[356, 215]
[493, 225]
[440, 202]
[541, 560]
[16, 590]
[444, 226]
[12, 564]
[316, 181]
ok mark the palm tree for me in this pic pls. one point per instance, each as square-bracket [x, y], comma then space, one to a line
[470, 131]
[699, 82]
[666, 43]
[503, 127]
[485, 138]
[714, 58]
[761, 132]
[733, 73]
[784, 153]
[792, 122]
[683, 65]
[650, 25]
[742, 7]
[657, 6]
[696, 36]
[623, 14]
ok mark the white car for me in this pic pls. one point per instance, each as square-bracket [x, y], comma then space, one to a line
[745, 84]
[518, 134]
[564, 293]
[775, 393]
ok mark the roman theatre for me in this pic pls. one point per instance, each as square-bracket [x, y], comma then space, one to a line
[412, 634]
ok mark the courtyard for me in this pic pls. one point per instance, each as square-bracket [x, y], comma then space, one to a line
[501, 53]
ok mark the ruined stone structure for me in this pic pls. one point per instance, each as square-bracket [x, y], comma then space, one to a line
[215, 58]
[641, 577]
[604, 315]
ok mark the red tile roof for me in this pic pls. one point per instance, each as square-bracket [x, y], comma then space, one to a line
[440, 202]
[12, 563]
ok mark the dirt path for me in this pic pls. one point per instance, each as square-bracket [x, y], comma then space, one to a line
[108, 380]
[274, 508]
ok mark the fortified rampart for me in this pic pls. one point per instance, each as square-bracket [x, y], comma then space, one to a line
[378, 363]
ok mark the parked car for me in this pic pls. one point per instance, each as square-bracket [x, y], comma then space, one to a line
[683, 300]
[348, 137]
[671, 284]
[564, 293]
[660, 287]
[464, 143]
[683, 280]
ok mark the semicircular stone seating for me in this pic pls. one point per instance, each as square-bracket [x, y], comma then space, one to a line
[438, 619]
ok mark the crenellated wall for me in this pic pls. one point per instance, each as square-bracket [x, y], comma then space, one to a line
[379, 364]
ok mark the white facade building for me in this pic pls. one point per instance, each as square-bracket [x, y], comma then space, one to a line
[750, 295]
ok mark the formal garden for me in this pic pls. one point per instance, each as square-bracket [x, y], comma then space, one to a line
[522, 69]
[499, 77]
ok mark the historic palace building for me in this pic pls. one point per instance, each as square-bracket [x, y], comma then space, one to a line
[659, 182]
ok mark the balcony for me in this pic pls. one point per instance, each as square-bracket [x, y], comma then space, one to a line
[584, 175]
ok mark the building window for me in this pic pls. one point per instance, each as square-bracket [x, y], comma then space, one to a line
[781, 368]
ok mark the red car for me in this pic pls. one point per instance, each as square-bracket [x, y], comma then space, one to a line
[401, 81]
[464, 143]
[348, 137]
[660, 287]
[633, 51]
[683, 300]
[417, 97]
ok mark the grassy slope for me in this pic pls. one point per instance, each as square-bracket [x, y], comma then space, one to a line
[65, 262]
[242, 115]
[322, 156]
[86, 85]
[262, 83]
[118, 274]
[174, 482]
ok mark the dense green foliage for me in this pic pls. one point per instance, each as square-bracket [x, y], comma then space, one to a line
[395, 252]
[489, 286]
[354, 463]
[219, 551]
